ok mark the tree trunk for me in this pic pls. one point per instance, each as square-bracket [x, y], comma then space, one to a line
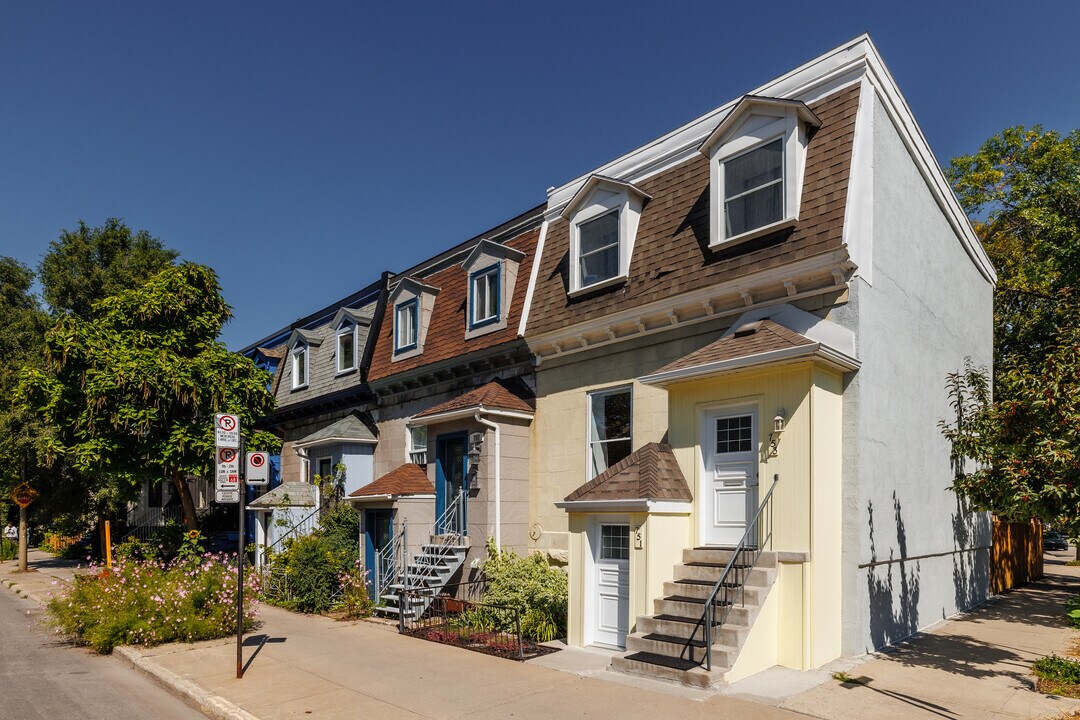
[187, 503]
[24, 538]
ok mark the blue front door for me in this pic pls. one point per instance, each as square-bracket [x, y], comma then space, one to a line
[451, 469]
[378, 534]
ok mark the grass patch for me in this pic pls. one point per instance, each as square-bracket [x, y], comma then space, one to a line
[1057, 676]
[843, 677]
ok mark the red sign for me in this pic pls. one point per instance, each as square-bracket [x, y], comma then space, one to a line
[23, 495]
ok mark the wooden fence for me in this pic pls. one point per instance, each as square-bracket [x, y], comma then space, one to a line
[1016, 556]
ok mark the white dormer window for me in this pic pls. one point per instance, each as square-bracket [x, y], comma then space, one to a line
[299, 366]
[346, 348]
[603, 217]
[406, 315]
[757, 156]
[754, 189]
[485, 297]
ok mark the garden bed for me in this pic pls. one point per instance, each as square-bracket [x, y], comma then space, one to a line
[483, 641]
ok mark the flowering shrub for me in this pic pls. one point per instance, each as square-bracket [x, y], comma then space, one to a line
[356, 599]
[533, 586]
[149, 602]
[313, 564]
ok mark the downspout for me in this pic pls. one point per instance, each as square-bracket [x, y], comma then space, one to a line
[498, 501]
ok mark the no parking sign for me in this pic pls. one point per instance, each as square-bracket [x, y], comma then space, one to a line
[258, 468]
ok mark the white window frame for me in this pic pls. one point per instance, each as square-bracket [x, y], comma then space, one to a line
[347, 328]
[412, 305]
[598, 197]
[300, 350]
[591, 395]
[760, 127]
[492, 274]
[413, 449]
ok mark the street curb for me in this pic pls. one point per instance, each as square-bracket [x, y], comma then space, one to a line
[213, 706]
[18, 590]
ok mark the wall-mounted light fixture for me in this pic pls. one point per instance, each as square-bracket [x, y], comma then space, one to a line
[777, 429]
[476, 441]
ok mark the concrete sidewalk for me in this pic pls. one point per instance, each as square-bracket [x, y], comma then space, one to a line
[303, 666]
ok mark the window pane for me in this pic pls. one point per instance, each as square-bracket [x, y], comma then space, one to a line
[753, 169]
[419, 438]
[614, 542]
[734, 434]
[758, 209]
[406, 325]
[300, 367]
[598, 249]
[346, 346]
[492, 295]
[611, 416]
[485, 296]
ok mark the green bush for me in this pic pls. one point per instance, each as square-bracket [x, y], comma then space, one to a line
[148, 602]
[1058, 670]
[315, 563]
[1072, 611]
[8, 549]
[530, 584]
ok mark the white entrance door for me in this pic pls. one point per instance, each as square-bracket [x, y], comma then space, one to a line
[612, 578]
[729, 450]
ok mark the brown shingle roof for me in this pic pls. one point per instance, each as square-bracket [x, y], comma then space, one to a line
[495, 395]
[649, 473]
[446, 328]
[768, 336]
[671, 253]
[409, 479]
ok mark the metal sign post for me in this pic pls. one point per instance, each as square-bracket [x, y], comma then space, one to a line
[242, 491]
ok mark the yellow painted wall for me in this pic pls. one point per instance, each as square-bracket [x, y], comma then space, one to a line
[806, 501]
[760, 649]
[560, 430]
[825, 591]
[665, 537]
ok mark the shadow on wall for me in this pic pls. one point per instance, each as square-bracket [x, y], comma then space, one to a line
[894, 602]
[971, 566]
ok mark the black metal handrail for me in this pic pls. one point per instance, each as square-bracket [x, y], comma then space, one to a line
[730, 588]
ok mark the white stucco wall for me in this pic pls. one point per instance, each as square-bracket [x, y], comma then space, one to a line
[928, 309]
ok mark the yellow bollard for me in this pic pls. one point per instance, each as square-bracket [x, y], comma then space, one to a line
[108, 545]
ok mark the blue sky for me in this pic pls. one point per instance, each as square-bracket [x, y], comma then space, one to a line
[300, 148]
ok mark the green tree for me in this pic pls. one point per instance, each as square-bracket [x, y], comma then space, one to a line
[1026, 445]
[21, 344]
[1022, 192]
[132, 392]
[89, 264]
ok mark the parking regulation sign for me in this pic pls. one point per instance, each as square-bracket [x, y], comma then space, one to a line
[227, 485]
[226, 431]
[258, 468]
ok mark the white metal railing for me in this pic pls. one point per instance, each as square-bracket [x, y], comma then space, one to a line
[392, 561]
[418, 457]
[150, 520]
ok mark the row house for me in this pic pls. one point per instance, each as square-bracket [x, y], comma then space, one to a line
[705, 377]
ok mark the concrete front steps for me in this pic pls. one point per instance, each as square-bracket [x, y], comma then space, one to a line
[427, 575]
[669, 644]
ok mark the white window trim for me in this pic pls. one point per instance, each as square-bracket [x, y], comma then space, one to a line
[298, 349]
[494, 271]
[786, 125]
[588, 423]
[623, 198]
[347, 328]
[410, 449]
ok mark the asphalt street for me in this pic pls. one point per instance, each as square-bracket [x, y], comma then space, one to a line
[43, 677]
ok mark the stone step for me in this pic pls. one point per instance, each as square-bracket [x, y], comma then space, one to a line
[660, 666]
[657, 644]
[721, 556]
[710, 572]
[700, 590]
[685, 607]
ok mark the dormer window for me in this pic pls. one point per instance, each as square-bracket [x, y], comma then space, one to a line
[299, 366]
[598, 249]
[754, 189]
[603, 217]
[485, 297]
[346, 348]
[757, 155]
[406, 316]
